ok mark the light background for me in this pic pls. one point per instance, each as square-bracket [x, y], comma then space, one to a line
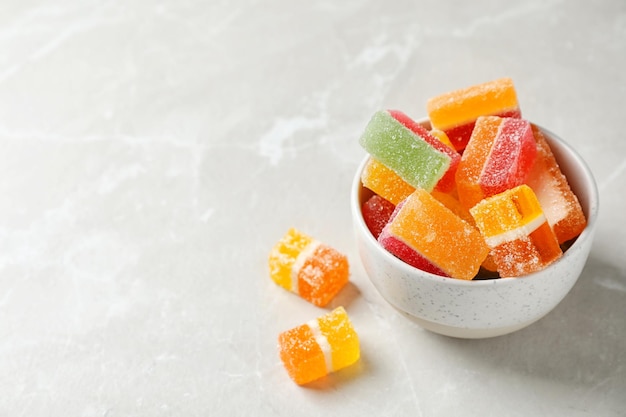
[152, 152]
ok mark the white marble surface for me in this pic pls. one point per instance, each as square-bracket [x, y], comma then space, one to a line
[152, 152]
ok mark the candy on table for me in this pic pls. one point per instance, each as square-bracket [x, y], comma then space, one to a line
[446, 183]
[415, 160]
[560, 205]
[499, 156]
[516, 230]
[376, 213]
[321, 346]
[456, 112]
[427, 235]
[385, 182]
[308, 267]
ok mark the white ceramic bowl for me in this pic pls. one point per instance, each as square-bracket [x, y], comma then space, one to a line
[480, 308]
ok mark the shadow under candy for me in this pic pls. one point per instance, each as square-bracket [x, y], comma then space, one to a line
[345, 297]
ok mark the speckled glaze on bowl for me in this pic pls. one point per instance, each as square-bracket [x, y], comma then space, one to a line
[482, 308]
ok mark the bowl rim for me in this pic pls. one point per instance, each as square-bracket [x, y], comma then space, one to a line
[587, 233]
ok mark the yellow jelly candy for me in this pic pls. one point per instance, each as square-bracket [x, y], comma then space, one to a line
[515, 228]
[308, 267]
[385, 182]
[319, 347]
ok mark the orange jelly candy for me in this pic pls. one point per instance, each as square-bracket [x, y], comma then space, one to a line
[456, 112]
[426, 234]
[319, 347]
[516, 230]
[307, 267]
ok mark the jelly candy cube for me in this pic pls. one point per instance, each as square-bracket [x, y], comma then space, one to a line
[426, 234]
[376, 213]
[455, 206]
[385, 182]
[414, 159]
[321, 346]
[560, 205]
[446, 183]
[456, 112]
[516, 230]
[498, 157]
[308, 267]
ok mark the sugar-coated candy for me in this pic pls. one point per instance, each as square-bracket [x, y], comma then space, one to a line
[414, 159]
[376, 212]
[499, 156]
[446, 183]
[385, 182]
[321, 346]
[308, 267]
[515, 228]
[560, 205]
[456, 112]
[426, 234]
[479, 160]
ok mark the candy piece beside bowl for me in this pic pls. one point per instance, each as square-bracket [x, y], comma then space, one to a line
[487, 307]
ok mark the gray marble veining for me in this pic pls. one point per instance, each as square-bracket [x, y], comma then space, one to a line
[151, 153]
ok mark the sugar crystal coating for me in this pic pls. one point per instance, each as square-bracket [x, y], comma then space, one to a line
[455, 112]
[416, 161]
[283, 256]
[342, 338]
[307, 267]
[323, 275]
[435, 234]
[559, 203]
[376, 212]
[499, 156]
[385, 182]
[446, 182]
[515, 228]
[500, 152]
[323, 345]
[301, 355]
